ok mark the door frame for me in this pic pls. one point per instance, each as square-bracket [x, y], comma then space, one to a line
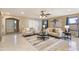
[17, 25]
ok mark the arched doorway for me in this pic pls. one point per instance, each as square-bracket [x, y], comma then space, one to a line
[11, 25]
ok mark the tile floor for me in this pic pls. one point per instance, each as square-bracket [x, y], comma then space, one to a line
[15, 42]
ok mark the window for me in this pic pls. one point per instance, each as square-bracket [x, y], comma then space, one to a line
[36, 24]
[72, 20]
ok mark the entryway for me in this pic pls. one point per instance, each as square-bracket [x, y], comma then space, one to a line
[11, 25]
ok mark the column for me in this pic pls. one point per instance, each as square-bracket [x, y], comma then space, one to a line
[0, 27]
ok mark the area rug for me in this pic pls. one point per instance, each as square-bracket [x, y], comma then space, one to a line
[51, 44]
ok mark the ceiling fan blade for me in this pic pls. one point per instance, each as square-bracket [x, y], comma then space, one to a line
[48, 14]
[44, 14]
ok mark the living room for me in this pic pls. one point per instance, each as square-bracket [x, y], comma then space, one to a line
[44, 29]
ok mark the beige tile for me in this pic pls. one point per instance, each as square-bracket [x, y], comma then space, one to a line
[15, 42]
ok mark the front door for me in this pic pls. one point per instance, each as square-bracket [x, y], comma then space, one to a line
[12, 26]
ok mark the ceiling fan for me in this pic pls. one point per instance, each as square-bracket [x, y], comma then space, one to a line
[43, 13]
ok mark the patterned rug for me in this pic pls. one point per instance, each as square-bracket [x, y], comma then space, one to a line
[51, 44]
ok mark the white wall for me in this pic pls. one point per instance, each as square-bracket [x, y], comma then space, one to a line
[23, 23]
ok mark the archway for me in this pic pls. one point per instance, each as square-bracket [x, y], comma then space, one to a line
[11, 25]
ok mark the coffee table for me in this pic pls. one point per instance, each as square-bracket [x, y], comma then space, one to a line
[67, 35]
[43, 36]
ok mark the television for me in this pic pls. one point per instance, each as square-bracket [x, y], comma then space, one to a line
[72, 20]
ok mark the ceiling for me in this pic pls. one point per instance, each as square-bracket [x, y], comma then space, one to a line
[35, 12]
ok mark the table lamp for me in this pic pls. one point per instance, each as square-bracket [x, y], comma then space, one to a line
[67, 28]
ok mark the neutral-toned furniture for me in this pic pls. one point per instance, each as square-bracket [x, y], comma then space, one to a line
[57, 32]
[28, 31]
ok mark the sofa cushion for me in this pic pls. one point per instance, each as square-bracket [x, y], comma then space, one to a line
[50, 30]
[54, 30]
